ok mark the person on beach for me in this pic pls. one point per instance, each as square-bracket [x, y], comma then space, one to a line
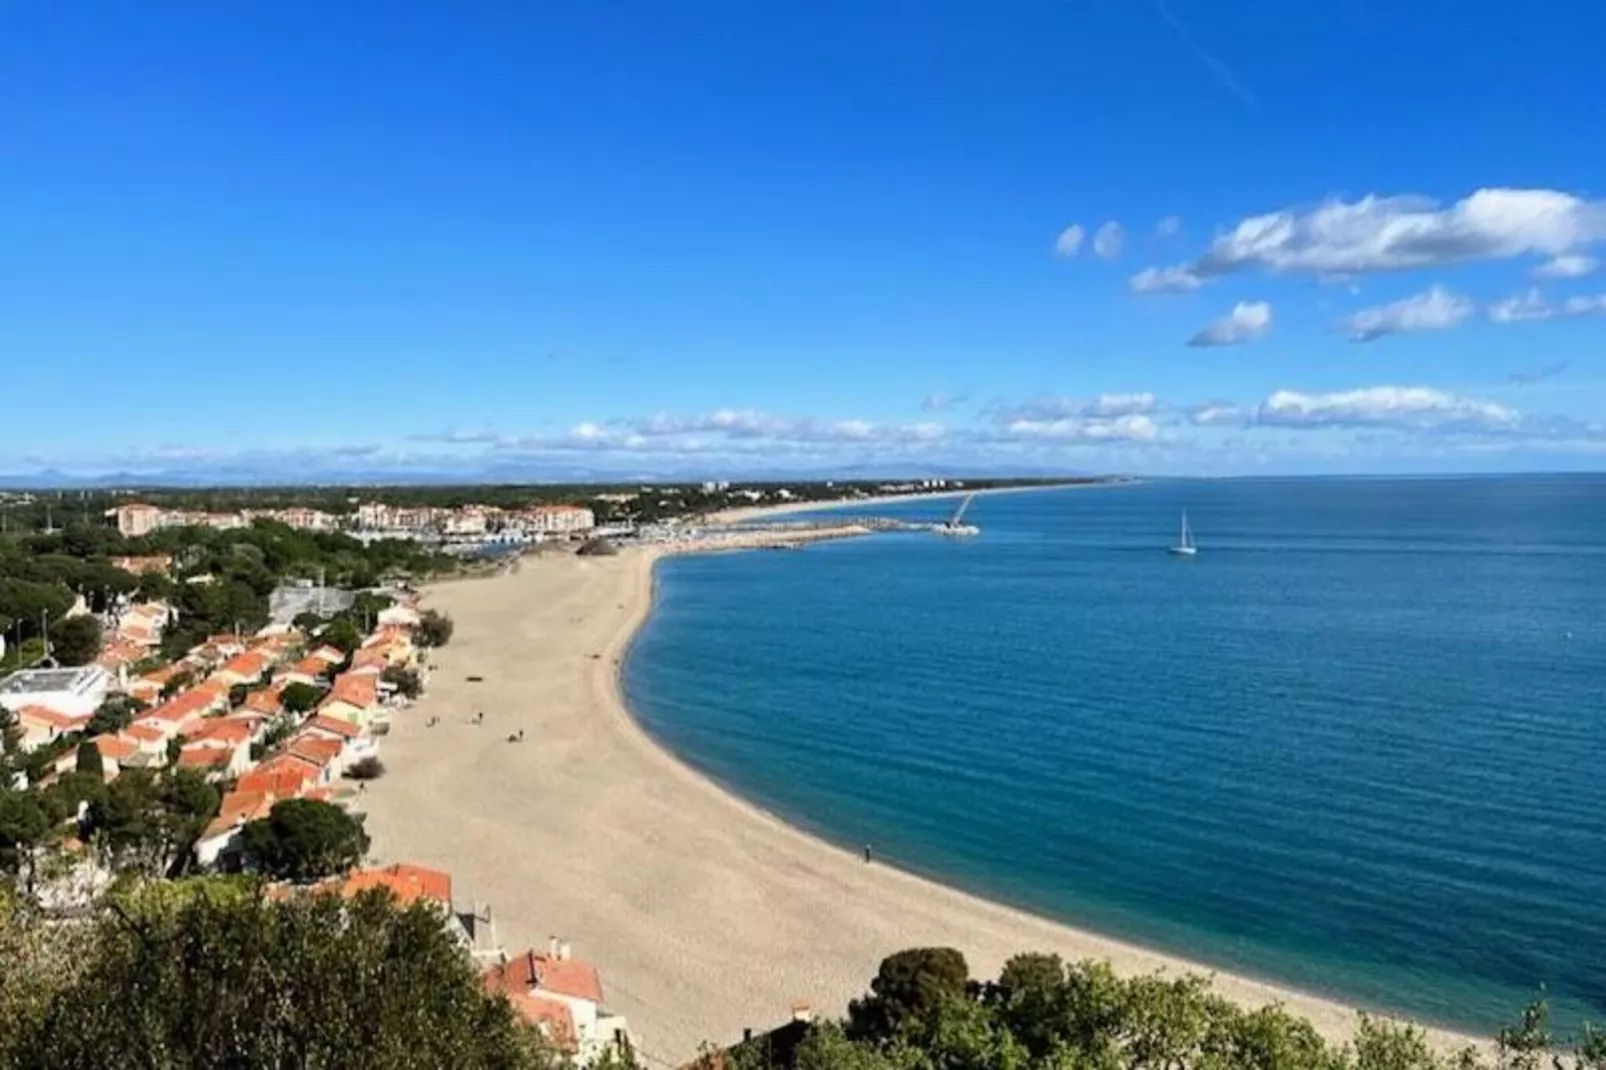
[867, 854]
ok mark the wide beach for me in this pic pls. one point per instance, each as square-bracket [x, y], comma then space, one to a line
[705, 914]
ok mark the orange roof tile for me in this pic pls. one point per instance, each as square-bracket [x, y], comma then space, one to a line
[222, 730]
[311, 665]
[145, 733]
[551, 1016]
[407, 882]
[564, 977]
[64, 722]
[336, 725]
[247, 666]
[355, 689]
[333, 655]
[203, 757]
[117, 748]
[318, 750]
[266, 700]
[283, 775]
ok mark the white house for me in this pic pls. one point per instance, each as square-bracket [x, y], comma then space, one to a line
[71, 692]
[562, 996]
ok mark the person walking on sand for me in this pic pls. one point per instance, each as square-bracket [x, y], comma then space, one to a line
[867, 854]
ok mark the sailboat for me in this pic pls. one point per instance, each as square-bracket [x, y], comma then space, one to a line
[1185, 547]
[955, 524]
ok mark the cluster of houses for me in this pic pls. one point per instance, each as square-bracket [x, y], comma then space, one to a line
[375, 519]
[214, 709]
[551, 989]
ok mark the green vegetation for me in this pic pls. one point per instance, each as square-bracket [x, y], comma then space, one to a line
[924, 1012]
[212, 975]
[148, 823]
[75, 640]
[89, 761]
[303, 840]
[434, 628]
[113, 715]
[369, 768]
[298, 697]
[405, 681]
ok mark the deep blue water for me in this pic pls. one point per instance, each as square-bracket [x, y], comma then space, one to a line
[1358, 745]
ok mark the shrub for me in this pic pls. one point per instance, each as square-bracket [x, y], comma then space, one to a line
[369, 768]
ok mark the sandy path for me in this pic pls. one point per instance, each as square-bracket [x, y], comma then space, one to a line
[704, 914]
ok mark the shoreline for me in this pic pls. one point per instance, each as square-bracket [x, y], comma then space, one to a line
[744, 513]
[706, 912]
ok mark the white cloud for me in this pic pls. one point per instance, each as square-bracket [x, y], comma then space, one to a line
[1567, 266]
[1417, 407]
[1169, 227]
[1531, 305]
[1522, 308]
[1395, 233]
[1069, 243]
[1586, 305]
[1179, 278]
[1435, 309]
[1109, 240]
[1220, 414]
[1247, 321]
[1130, 428]
[1050, 409]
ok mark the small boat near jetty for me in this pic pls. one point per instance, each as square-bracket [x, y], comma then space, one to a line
[955, 524]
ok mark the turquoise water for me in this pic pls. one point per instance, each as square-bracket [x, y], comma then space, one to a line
[1356, 746]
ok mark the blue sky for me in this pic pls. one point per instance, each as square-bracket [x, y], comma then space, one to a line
[531, 239]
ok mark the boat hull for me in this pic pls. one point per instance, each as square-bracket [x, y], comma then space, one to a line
[1182, 551]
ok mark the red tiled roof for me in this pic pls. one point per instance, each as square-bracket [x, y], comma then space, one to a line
[202, 757]
[117, 748]
[355, 689]
[145, 733]
[63, 722]
[318, 750]
[564, 977]
[222, 730]
[551, 1016]
[284, 776]
[333, 655]
[336, 725]
[266, 700]
[246, 666]
[407, 882]
[311, 665]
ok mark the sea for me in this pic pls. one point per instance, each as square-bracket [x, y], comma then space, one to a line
[1357, 746]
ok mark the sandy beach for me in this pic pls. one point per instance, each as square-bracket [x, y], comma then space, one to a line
[704, 914]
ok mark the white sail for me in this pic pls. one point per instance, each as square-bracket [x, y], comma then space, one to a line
[1185, 548]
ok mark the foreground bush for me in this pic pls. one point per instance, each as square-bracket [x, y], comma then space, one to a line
[924, 1012]
[211, 974]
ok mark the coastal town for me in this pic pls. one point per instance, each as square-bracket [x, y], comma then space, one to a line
[287, 718]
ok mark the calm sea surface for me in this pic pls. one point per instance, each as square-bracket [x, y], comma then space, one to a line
[1358, 745]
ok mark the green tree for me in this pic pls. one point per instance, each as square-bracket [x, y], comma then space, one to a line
[298, 697]
[405, 681]
[342, 634]
[89, 761]
[113, 715]
[213, 976]
[908, 994]
[149, 823]
[304, 839]
[434, 628]
[25, 822]
[75, 640]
